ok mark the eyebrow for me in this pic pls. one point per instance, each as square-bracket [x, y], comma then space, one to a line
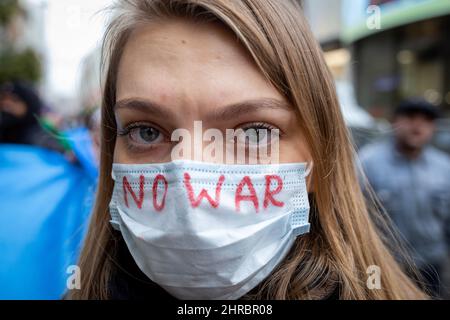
[225, 113]
[144, 105]
[250, 106]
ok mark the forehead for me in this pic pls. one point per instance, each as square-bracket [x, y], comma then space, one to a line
[183, 63]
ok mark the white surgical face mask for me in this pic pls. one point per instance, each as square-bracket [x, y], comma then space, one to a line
[209, 231]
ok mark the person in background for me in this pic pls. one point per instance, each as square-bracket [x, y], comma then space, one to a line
[47, 185]
[20, 118]
[412, 180]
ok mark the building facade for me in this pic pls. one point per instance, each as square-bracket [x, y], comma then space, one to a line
[397, 48]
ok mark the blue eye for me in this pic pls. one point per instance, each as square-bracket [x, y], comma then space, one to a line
[145, 135]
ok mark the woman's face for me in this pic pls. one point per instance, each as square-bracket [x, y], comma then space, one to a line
[177, 72]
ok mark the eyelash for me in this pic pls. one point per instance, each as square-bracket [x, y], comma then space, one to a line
[132, 147]
[126, 131]
[137, 125]
[258, 126]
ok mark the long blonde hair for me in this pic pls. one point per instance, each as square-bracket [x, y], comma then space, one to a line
[344, 240]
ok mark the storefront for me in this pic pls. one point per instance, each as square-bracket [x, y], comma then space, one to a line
[400, 49]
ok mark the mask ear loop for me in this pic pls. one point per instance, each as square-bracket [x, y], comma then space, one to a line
[309, 168]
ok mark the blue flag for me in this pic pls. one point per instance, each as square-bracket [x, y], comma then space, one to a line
[45, 202]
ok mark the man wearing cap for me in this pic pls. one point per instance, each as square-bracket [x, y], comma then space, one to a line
[412, 181]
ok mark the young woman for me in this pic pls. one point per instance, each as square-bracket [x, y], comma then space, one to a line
[241, 64]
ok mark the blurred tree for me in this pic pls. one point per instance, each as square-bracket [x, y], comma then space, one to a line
[8, 9]
[23, 65]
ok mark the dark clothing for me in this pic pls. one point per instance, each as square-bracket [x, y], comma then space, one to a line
[415, 194]
[431, 276]
[25, 129]
[128, 282]
[34, 135]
